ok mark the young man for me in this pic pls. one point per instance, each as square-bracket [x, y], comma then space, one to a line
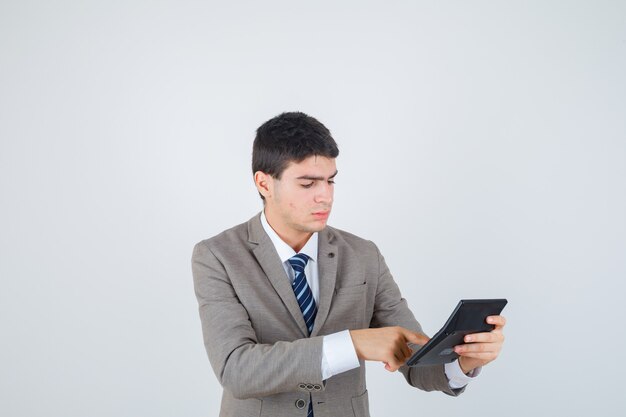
[291, 308]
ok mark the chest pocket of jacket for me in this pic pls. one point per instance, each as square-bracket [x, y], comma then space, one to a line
[347, 310]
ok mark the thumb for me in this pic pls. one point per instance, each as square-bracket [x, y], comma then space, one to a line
[415, 337]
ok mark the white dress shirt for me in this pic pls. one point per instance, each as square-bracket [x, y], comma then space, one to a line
[338, 353]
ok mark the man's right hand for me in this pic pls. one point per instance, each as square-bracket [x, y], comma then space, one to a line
[386, 344]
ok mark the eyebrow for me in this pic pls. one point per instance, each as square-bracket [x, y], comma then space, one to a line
[310, 177]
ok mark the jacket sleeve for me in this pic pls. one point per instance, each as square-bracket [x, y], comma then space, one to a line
[243, 366]
[391, 309]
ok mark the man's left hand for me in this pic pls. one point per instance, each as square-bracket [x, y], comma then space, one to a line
[481, 348]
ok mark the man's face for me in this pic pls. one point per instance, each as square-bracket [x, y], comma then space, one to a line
[302, 199]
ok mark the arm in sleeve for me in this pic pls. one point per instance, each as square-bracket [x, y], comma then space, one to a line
[456, 377]
[338, 354]
[390, 309]
[244, 367]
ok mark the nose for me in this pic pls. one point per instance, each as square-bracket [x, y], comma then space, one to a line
[325, 194]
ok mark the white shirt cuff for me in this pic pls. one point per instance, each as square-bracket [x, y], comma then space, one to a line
[338, 354]
[456, 378]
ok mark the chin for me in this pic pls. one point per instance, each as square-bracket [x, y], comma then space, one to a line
[313, 227]
[318, 227]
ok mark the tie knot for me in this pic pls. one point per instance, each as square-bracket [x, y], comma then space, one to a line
[298, 262]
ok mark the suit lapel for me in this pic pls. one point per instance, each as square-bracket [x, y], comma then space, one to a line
[266, 255]
[327, 258]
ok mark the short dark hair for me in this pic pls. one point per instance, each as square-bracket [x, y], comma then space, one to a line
[290, 137]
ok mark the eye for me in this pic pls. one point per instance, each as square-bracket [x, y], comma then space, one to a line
[307, 185]
[331, 181]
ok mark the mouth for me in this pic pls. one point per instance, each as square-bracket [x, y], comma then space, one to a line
[321, 215]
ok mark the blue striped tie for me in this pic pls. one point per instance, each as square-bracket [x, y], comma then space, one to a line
[304, 295]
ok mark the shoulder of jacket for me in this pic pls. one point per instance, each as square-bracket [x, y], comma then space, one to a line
[351, 239]
[236, 233]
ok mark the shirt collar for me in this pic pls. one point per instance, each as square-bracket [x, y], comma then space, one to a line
[284, 250]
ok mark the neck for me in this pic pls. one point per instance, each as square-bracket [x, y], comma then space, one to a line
[296, 239]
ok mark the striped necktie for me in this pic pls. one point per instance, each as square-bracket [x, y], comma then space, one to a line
[303, 292]
[304, 295]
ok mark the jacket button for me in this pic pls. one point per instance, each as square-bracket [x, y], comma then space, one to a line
[317, 387]
[300, 404]
[309, 387]
[302, 386]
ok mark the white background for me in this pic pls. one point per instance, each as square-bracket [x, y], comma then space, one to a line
[482, 147]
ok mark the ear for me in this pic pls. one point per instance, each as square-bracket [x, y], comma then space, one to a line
[263, 183]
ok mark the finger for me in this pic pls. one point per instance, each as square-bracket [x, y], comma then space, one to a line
[396, 361]
[415, 337]
[390, 368]
[405, 350]
[498, 321]
[400, 359]
[478, 347]
[485, 356]
[485, 337]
